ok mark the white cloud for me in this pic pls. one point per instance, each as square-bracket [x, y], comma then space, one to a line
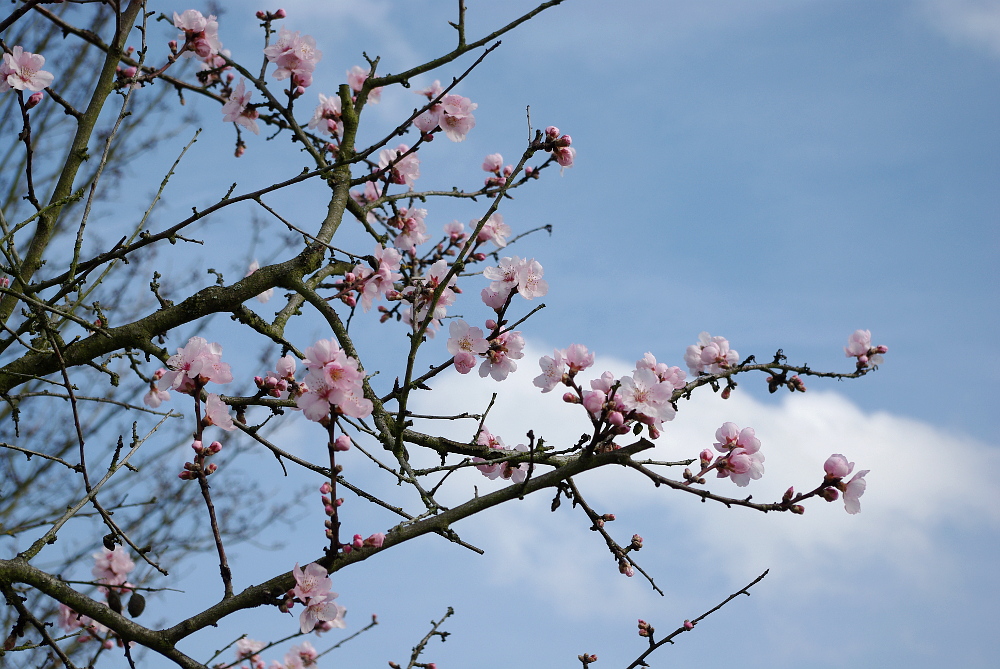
[972, 22]
[923, 481]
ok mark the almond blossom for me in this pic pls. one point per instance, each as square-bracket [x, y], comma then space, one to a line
[486, 438]
[217, 413]
[301, 657]
[112, 567]
[515, 473]
[405, 169]
[380, 281]
[238, 111]
[333, 381]
[711, 355]
[465, 343]
[553, 370]
[198, 362]
[22, 70]
[504, 349]
[530, 283]
[413, 229]
[742, 458]
[356, 78]
[859, 345]
[420, 294]
[327, 116]
[674, 376]
[643, 393]
[494, 230]
[853, 491]
[201, 35]
[295, 55]
[247, 649]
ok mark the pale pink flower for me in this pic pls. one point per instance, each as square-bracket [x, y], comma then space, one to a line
[643, 393]
[743, 460]
[859, 345]
[485, 438]
[455, 231]
[494, 230]
[504, 277]
[380, 281]
[322, 609]
[431, 91]
[295, 55]
[248, 649]
[266, 295]
[674, 376]
[710, 355]
[404, 170]
[419, 295]
[504, 350]
[356, 78]
[112, 567]
[456, 119]
[564, 155]
[236, 110]
[553, 369]
[201, 35]
[23, 70]
[578, 358]
[518, 473]
[853, 491]
[301, 657]
[494, 299]
[313, 581]
[375, 541]
[326, 117]
[493, 163]
[837, 466]
[155, 397]
[286, 367]
[530, 283]
[333, 380]
[729, 437]
[217, 413]
[465, 343]
[412, 227]
[197, 361]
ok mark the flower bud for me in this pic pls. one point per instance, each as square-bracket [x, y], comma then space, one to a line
[280, 14]
[326, 488]
[726, 392]
[830, 494]
[357, 542]
[196, 447]
[688, 625]
[625, 568]
[479, 256]
[215, 447]
[552, 132]
[789, 494]
[616, 418]
[636, 542]
[261, 15]
[211, 469]
[570, 398]
[343, 443]
[35, 98]
[376, 540]
[706, 457]
[797, 509]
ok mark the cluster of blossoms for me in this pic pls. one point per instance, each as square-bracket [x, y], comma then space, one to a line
[493, 164]
[616, 405]
[333, 383]
[372, 284]
[562, 152]
[296, 56]
[111, 568]
[22, 70]
[498, 353]
[201, 452]
[405, 167]
[513, 273]
[837, 468]
[193, 366]
[421, 293]
[327, 116]
[452, 114]
[741, 459]
[313, 589]
[711, 355]
[859, 345]
[504, 470]
[200, 35]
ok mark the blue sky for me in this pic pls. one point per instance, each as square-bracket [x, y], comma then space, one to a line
[780, 173]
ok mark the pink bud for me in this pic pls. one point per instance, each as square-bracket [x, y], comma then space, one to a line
[343, 443]
[280, 14]
[129, 71]
[300, 90]
[789, 494]
[797, 509]
[706, 457]
[565, 140]
[347, 548]
[479, 256]
[261, 15]
[349, 300]
[654, 432]
[357, 542]
[491, 324]
[636, 542]
[830, 494]
[625, 568]
[376, 540]
[328, 509]
[34, 99]
[340, 501]
[571, 398]
[726, 392]
[616, 418]
[552, 132]
[326, 488]
[215, 447]
[688, 625]
[211, 469]
[172, 44]
[881, 349]
[196, 446]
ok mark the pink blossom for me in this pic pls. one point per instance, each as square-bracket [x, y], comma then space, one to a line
[530, 283]
[380, 281]
[198, 361]
[375, 541]
[674, 376]
[23, 70]
[217, 413]
[593, 401]
[553, 369]
[322, 609]
[853, 491]
[578, 358]
[201, 35]
[503, 351]
[494, 230]
[643, 393]
[248, 649]
[564, 155]
[465, 343]
[455, 231]
[404, 170]
[333, 380]
[456, 119]
[356, 78]
[837, 466]
[311, 582]
[286, 367]
[155, 397]
[431, 91]
[236, 110]
[326, 117]
[412, 227]
[485, 438]
[743, 460]
[419, 295]
[295, 55]
[254, 266]
[493, 163]
[729, 436]
[112, 567]
[301, 657]
[859, 345]
[494, 299]
[518, 473]
[710, 355]
[504, 277]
